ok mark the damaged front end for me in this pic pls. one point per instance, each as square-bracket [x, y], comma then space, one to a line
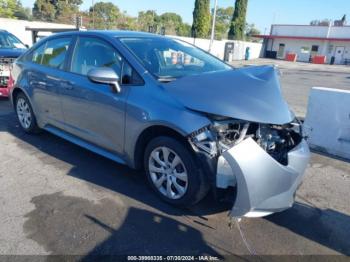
[265, 163]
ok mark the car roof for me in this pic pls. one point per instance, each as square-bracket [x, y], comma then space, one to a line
[110, 33]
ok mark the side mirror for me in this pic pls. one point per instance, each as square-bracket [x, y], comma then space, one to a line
[105, 75]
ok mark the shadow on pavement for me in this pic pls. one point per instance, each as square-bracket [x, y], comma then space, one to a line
[327, 227]
[68, 225]
[324, 226]
[148, 234]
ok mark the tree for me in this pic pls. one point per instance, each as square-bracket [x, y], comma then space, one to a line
[146, 19]
[126, 22]
[23, 13]
[171, 22]
[223, 21]
[13, 9]
[44, 10]
[251, 30]
[324, 22]
[201, 18]
[56, 10]
[66, 10]
[185, 30]
[105, 14]
[238, 23]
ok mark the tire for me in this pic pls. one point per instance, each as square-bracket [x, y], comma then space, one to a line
[161, 165]
[25, 114]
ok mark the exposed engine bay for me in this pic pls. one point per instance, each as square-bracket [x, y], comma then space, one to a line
[276, 140]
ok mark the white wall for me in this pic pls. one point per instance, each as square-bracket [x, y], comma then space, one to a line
[218, 48]
[18, 28]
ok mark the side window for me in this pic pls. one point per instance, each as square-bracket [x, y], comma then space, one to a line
[37, 54]
[90, 53]
[129, 76]
[55, 52]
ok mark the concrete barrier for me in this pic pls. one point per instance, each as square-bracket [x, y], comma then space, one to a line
[327, 122]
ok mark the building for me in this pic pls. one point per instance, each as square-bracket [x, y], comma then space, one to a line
[23, 29]
[307, 41]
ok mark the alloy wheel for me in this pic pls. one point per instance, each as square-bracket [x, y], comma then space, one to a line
[168, 172]
[24, 113]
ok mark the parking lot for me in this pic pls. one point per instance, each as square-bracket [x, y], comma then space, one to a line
[299, 78]
[57, 198]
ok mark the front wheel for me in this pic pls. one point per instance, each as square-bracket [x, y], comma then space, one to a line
[173, 172]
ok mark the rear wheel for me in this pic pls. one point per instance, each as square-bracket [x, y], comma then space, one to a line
[173, 172]
[25, 114]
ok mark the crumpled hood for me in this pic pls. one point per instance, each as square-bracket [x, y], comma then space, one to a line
[251, 93]
[14, 52]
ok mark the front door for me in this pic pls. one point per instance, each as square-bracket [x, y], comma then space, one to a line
[92, 111]
[339, 54]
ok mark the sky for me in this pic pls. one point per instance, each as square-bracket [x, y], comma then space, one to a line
[262, 13]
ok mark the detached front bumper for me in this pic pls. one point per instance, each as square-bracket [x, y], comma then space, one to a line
[264, 186]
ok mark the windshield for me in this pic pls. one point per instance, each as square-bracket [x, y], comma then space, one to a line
[8, 40]
[169, 59]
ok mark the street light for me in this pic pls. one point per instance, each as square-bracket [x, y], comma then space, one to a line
[213, 26]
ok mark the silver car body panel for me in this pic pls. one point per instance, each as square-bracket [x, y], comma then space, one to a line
[264, 186]
[251, 94]
[224, 175]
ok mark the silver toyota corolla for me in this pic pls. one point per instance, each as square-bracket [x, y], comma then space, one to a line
[192, 122]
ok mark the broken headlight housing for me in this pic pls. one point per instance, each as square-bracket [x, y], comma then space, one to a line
[224, 134]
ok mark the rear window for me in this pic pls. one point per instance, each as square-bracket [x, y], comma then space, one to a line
[37, 55]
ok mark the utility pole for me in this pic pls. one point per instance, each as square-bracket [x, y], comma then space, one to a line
[93, 14]
[213, 26]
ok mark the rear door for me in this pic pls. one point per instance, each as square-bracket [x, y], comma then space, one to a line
[46, 77]
[92, 111]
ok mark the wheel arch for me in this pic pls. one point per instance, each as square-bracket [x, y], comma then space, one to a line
[152, 132]
[14, 95]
